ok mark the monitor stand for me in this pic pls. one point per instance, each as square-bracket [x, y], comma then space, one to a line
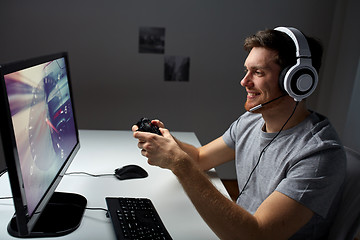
[62, 215]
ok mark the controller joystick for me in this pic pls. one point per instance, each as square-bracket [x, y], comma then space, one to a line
[145, 126]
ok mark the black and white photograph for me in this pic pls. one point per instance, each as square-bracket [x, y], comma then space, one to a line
[152, 40]
[177, 68]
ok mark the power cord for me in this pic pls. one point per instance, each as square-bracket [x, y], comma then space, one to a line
[74, 173]
[99, 209]
[86, 208]
[4, 198]
[90, 174]
[93, 175]
[263, 150]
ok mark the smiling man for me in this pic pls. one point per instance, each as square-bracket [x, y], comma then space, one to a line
[290, 163]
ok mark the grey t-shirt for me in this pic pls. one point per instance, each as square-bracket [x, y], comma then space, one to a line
[307, 163]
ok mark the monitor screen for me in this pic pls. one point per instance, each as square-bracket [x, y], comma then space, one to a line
[39, 130]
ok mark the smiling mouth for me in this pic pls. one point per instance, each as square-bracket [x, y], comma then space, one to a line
[252, 94]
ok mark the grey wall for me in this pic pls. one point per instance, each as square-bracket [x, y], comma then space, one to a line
[114, 85]
[352, 128]
[340, 88]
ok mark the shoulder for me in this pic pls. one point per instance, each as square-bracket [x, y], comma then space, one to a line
[241, 127]
[248, 119]
[318, 130]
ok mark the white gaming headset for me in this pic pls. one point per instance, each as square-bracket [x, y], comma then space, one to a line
[301, 79]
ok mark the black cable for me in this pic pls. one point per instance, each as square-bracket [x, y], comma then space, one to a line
[93, 175]
[71, 173]
[99, 209]
[74, 173]
[86, 208]
[263, 150]
[4, 198]
[89, 174]
[96, 209]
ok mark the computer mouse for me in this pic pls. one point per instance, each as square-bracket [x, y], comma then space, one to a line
[130, 172]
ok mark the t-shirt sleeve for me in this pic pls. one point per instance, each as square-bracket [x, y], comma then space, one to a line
[229, 136]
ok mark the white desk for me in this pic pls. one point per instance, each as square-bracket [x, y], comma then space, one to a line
[103, 152]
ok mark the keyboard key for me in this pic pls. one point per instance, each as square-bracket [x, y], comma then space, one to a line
[136, 218]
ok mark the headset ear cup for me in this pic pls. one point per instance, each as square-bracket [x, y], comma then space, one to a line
[300, 81]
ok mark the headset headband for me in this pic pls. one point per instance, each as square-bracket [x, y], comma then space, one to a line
[301, 44]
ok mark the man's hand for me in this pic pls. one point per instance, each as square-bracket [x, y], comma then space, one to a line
[162, 151]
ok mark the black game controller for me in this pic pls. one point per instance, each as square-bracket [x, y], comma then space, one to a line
[145, 126]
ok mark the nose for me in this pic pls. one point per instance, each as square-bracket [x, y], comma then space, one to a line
[246, 81]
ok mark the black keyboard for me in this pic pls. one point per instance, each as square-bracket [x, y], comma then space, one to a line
[135, 218]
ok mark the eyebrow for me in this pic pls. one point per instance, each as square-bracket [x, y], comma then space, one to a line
[257, 67]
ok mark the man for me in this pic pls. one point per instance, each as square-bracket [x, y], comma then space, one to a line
[289, 161]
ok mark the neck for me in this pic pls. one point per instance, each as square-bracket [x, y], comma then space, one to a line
[278, 115]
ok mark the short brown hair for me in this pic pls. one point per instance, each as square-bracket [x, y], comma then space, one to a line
[285, 47]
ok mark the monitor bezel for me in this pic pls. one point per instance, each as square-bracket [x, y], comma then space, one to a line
[25, 222]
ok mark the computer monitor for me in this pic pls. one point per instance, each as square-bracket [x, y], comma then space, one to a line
[40, 139]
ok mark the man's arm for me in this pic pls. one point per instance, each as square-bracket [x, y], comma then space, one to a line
[278, 217]
[210, 155]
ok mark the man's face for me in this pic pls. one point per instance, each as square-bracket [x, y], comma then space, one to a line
[261, 78]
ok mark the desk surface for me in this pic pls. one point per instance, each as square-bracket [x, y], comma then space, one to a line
[103, 152]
